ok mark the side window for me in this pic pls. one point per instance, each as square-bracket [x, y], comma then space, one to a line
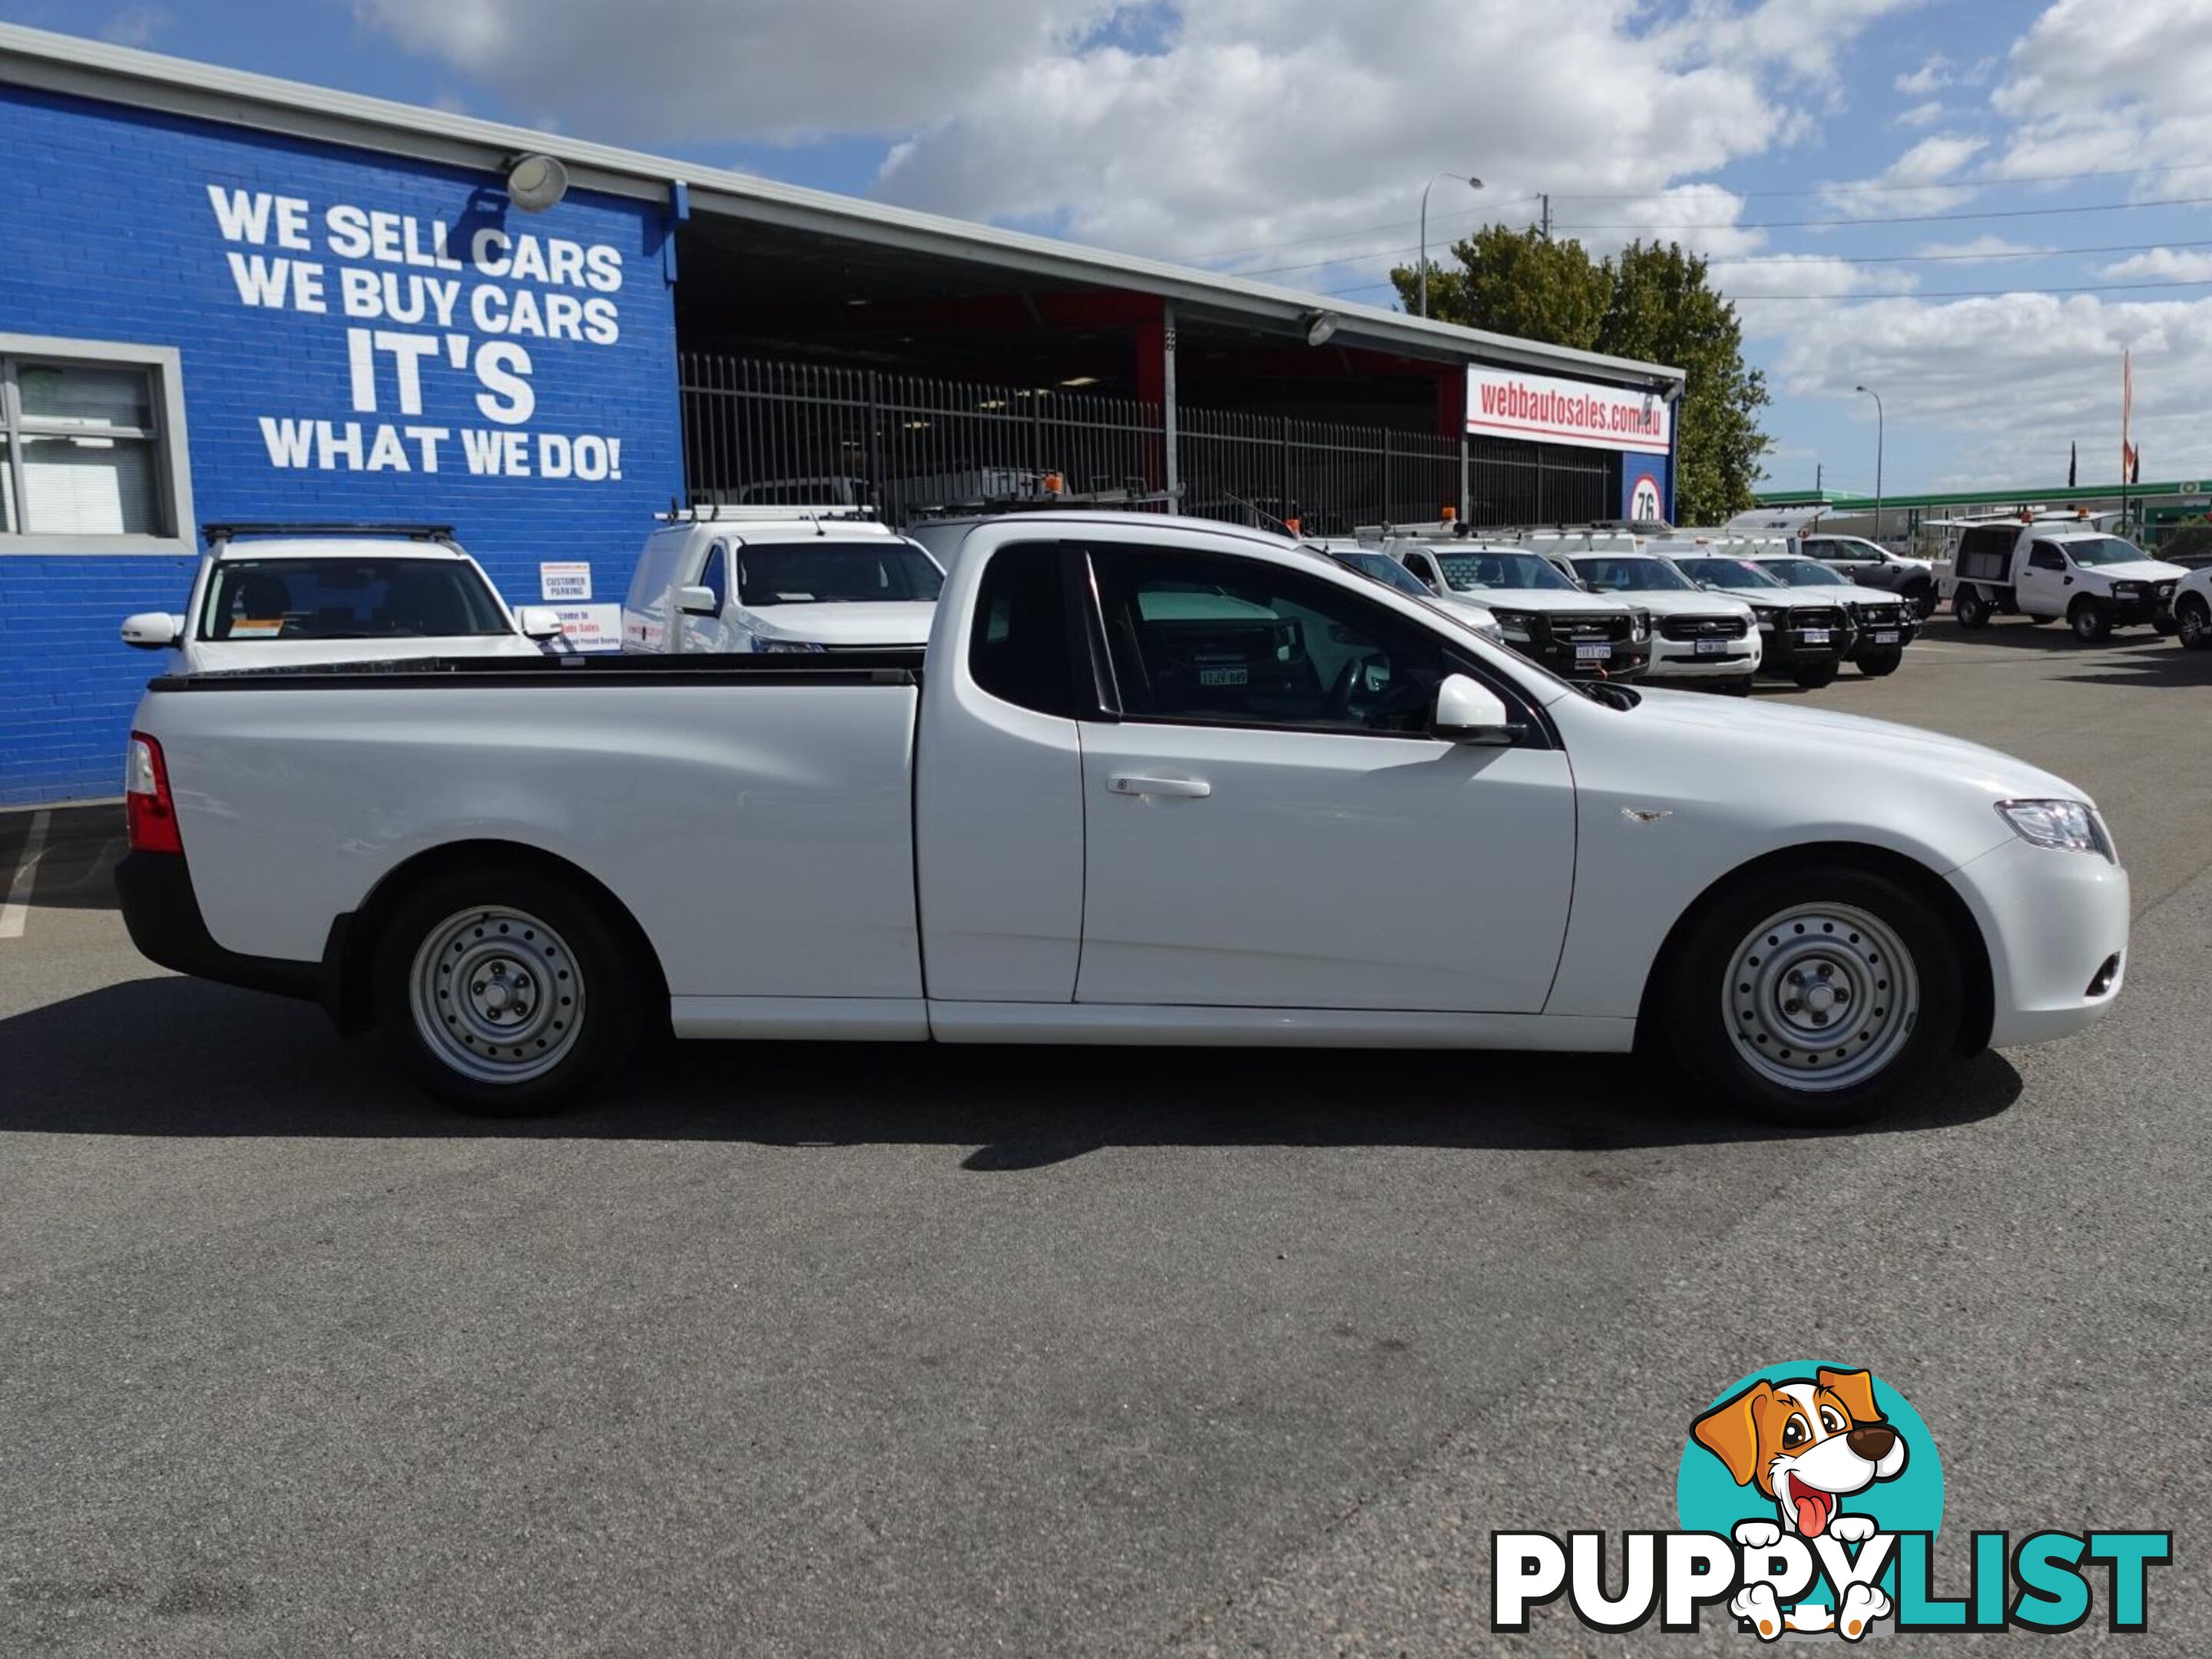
[2043, 556]
[1243, 642]
[1424, 567]
[716, 576]
[1018, 650]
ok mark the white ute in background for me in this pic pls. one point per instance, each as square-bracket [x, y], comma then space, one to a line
[287, 596]
[1155, 780]
[780, 579]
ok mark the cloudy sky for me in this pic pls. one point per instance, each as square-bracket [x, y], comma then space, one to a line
[1971, 205]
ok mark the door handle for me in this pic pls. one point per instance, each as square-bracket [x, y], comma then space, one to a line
[1133, 783]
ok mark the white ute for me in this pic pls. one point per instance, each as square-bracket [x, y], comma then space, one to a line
[286, 595]
[2056, 569]
[778, 578]
[1162, 782]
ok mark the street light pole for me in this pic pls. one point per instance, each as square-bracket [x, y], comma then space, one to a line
[1877, 396]
[1472, 184]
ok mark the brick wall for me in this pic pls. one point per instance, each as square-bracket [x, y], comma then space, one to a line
[110, 235]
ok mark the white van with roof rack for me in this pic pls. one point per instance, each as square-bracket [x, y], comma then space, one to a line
[290, 595]
[771, 578]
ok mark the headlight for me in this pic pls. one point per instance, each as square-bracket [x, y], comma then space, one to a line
[2067, 826]
[1767, 618]
[2127, 590]
[1512, 625]
[1640, 625]
[761, 644]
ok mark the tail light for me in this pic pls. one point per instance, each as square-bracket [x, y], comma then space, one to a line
[151, 814]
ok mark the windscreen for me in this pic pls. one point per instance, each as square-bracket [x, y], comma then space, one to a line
[1632, 576]
[825, 572]
[1806, 572]
[365, 598]
[1727, 573]
[1384, 570]
[1474, 572]
[2103, 550]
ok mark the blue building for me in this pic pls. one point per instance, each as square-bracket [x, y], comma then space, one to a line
[228, 298]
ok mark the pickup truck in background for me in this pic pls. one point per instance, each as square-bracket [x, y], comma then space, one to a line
[283, 595]
[1162, 782]
[2055, 568]
[778, 578]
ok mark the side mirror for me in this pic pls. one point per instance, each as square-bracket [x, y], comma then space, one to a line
[152, 630]
[539, 622]
[1469, 712]
[697, 602]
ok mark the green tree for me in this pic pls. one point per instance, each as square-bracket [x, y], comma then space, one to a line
[1654, 302]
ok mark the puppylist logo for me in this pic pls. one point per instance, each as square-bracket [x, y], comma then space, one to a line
[1809, 1494]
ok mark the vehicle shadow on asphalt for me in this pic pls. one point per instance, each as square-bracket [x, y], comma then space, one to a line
[78, 854]
[171, 1056]
[2018, 633]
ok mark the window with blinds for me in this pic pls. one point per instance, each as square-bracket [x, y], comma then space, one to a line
[82, 449]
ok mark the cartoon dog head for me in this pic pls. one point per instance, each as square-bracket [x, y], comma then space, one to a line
[1805, 1444]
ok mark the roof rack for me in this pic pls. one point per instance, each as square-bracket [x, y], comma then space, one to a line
[232, 531]
[1132, 494]
[761, 513]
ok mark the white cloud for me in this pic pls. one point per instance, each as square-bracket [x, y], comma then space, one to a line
[2167, 264]
[1934, 73]
[1978, 248]
[2098, 84]
[1921, 115]
[661, 71]
[1915, 182]
[138, 25]
[2010, 381]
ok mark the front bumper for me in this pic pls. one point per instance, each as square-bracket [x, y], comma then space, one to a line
[1679, 659]
[1788, 649]
[1877, 636]
[2051, 921]
[1625, 659]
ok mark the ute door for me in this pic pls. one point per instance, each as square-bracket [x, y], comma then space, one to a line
[998, 782]
[2046, 584]
[1270, 823]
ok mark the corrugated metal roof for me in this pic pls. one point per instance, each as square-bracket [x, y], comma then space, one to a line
[124, 74]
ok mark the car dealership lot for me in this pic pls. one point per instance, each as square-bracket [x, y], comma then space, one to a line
[889, 1350]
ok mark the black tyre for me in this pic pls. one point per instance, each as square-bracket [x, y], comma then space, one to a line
[1814, 993]
[2091, 623]
[1736, 688]
[2192, 620]
[1883, 661]
[1969, 608]
[505, 992]
[1921, 595]
[2165, 627]
[1811, 677]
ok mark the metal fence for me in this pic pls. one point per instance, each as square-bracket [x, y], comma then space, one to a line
[781, 433]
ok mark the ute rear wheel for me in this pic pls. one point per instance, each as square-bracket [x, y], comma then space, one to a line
[1814, 993]
[1969, 608]
[2192, 619]
[505, 991]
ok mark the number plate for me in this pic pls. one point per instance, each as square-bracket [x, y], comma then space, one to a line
[1599, 652]
[1816, 637]
[1712, 647]
[1888, 636]
[1224, 677]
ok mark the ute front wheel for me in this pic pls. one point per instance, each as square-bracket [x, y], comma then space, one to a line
[2192, 620]
[1815, 994]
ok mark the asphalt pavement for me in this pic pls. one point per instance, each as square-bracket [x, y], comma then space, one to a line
[820, 1350]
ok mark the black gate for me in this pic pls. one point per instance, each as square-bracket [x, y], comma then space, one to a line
[770, 433]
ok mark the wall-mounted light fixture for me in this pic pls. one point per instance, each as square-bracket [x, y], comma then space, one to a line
[536, 182]
[1320, 325]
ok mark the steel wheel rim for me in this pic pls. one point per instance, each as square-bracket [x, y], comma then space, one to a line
[2192, 620]
[1820, 998]
[496, 995]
